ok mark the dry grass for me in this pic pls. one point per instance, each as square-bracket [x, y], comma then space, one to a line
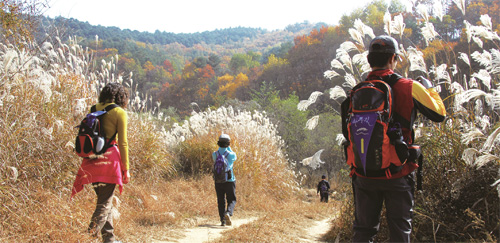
[37, 165]
[285, 220]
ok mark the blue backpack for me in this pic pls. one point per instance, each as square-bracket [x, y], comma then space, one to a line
[221, 173]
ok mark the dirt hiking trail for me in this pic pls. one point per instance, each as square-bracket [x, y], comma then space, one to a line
[209, 232]
[315, 232]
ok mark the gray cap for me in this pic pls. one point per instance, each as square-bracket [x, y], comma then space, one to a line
[224, 138]
[384, 44]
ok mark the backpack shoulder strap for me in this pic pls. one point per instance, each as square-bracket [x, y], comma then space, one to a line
[107, 108]
[110, 107]
[392, 79]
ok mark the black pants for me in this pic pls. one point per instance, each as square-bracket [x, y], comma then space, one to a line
[324, 196]
[101, 218]
[226, 192]
[370, 194]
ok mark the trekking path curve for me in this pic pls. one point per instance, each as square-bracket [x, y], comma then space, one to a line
[316, 231]
[208, 232]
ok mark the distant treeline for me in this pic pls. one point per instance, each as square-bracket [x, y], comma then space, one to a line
[218, 36]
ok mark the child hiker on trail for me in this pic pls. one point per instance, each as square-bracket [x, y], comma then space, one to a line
[225, 182]
[323, 187]
[112, 167]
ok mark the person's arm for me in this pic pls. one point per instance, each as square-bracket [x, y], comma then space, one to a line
[231, 159]
[122, 127]
[428, 102]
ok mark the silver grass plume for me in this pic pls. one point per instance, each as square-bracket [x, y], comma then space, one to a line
[484, 159]
[422, 10]
[348, 46]
[365, 30]
[428, 32]
[304, 104]
[482, 121]
[398, 25]
[350, 81]
[491, 141]
[469, 156]
[337, 92]
[356, 36]
[471, 94]
[361, 60]
[472, 82]
[460, 5]
[387, 23]
[416, 58]
[330, 74]
[495, 99]
[456, 88]
[486, 21]
[340, 139]
[438, 9]
[484, 76]
[495, 62]
[468, 30]
[312, 123]
[464, 57]
[343, 56]
[336, 64]
[454, 70]
[478, 41]
[441, 73]
[315, 161]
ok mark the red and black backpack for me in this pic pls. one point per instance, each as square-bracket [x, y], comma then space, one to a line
[375, 146]
[91, 138]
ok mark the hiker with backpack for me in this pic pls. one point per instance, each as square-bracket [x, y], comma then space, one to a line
[106, 166]
[225, 182]
[323, 188]
[377, 122]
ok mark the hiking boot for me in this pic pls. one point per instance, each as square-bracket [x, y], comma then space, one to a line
[227, 218]
[223, 222]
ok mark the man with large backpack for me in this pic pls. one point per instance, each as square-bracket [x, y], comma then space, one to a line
[225, 182]
[377, 122]
[323, 187]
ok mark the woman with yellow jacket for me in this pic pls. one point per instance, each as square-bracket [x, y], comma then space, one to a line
[111, 168]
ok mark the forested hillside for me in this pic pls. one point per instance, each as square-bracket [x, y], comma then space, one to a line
[158, 60]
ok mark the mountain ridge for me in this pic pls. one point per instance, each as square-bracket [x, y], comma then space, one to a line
[218, 36]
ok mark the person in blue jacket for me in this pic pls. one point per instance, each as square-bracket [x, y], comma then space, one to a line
[226, 191]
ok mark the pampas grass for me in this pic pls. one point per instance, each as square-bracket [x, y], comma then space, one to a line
[467, 143]
[47, 90]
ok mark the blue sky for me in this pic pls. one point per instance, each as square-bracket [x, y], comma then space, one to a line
[189, 16]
